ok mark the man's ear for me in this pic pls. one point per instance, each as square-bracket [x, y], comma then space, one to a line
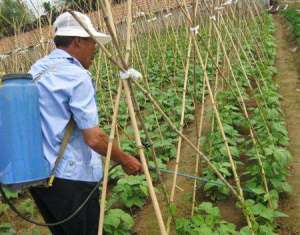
[76, 42]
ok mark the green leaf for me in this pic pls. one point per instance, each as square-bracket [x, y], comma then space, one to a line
[278, 214]
[10, 194]
[7, 229]
[262, 211]
[117, 222]
[3, 208]
[172, 209]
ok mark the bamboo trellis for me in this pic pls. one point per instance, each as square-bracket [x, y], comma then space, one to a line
[229, 28]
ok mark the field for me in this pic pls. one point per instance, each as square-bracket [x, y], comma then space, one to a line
[215, 119]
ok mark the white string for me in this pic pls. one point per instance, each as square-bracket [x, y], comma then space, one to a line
[195, 29]
[130, 73]
[213, 17]
[2, 57]
[285, 7]
[229, 2]
[219, 8]
[139, 14]
[152, 19]
[168, 15]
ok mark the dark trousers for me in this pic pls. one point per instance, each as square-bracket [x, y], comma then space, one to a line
[62, 199]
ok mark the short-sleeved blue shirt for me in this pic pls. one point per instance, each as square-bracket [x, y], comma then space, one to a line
[66, 90]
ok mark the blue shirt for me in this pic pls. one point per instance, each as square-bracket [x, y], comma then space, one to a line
[65, 89]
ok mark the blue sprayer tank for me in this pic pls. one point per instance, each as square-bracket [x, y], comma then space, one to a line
[21, 156]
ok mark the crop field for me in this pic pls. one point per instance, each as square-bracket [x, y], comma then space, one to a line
[208, 120]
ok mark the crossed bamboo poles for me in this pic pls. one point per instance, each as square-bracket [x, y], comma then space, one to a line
[238, 194]
[124, 66]
[242, 104]
[204, 66]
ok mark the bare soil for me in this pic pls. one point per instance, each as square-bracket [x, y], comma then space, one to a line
[145, 221]
[287, 63]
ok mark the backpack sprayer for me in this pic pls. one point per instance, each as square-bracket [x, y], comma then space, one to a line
[22, 162]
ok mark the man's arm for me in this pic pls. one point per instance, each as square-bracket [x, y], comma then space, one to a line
[96, 139]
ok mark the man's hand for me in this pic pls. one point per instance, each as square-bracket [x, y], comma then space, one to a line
[96, 139]
[131, 165]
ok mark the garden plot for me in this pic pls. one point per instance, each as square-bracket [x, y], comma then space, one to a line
[222, 61]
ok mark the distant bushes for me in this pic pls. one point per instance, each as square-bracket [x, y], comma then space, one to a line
[293, 17]
[16, 17]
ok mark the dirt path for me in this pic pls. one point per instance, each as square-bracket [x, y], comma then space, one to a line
[145, 221]
[289, 87]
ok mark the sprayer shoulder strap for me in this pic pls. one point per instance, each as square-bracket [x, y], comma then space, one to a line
[68, 133]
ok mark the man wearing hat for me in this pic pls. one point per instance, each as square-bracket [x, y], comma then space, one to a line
[66, 91]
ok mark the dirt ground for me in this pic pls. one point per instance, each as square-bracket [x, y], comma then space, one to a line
[287, 63]
[145, 219]
[145, 222]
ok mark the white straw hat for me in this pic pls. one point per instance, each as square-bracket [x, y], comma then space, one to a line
[66, 25]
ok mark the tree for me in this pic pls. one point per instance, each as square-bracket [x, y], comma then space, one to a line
[81, 5]
[50, 10]
[14, 16]
[47, 7]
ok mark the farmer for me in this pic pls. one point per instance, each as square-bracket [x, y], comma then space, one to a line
[65, 92]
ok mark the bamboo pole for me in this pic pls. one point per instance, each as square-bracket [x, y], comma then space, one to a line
[236, 52]
[244, 38]
[172, 125]
[186, 73]
[111, 98]
[256, 82]
[107, 160]
[181, 121]
[140, 118]
[256, 26]
[239, 39]
[148, 87]
[154, 157]
[216, 84]
[134, 124]
[244, 108]
[143, 159]
[199, 127]
[246, 27]
[251, 129]
[114, 123]
[136, 130]
[198, 124]
[232, 163]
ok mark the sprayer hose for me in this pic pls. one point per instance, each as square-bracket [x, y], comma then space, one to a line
[68, 218]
